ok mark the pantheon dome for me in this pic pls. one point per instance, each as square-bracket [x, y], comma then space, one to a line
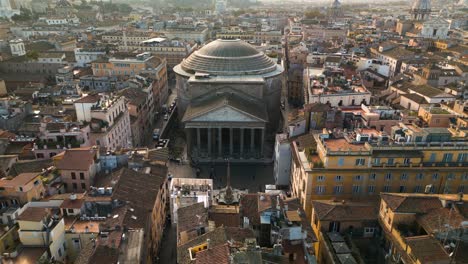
[228, 57]
[228, 101]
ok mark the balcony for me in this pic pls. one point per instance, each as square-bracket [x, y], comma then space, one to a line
[445, 164]
[68, 143]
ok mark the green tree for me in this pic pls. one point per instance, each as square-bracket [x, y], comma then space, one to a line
[33, 55]
[313, 13]
[24, 15]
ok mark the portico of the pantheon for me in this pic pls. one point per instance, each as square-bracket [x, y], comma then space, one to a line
[228, 101]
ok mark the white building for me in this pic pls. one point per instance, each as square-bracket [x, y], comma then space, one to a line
[84, 56]
[197, 34]
[8, 8]
[376, 65]
[436, 28]
[201, 191]
[109, 118]
[47, 57]
[282, 160]
[17, 47]
[53, 21]
[38, 229]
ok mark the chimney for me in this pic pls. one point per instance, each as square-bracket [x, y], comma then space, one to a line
[208, 243]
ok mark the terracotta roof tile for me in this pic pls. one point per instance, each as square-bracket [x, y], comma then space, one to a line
[410, 204]
[434, 220]
[72, 204]
[33, 214]
[77, 159]
[19, 180]
[89, 99]
[192, 216]
[427, 249]
[249, 208]
[218, 255]
[225, 216]
[330, 211]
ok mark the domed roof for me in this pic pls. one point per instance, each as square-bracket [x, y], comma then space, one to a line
[228, 57]
[336, 4]
[422, 5]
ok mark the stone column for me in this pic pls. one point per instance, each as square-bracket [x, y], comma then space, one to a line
[189, 141]
[198, 139]
[262, 143]
[209, 142]
[220, 141]
[252, 138]
[241, 141]
[230, 141]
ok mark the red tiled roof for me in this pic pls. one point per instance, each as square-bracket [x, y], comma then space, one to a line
[89, 99]
[218, 255]
[427, 249]
[33, 214]
[72, 204]
[19, 180]
[434, 220]
[339, 211]
[192, 216]
[77, 159]
[249, 208]
[225, 217]
[410, 204]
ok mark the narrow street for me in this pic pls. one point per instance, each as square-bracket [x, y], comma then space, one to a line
[168, 250]
[160, 120]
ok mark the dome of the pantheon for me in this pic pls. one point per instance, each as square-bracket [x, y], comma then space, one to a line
[229, 57]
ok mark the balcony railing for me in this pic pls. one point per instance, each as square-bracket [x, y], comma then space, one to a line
[44, 144]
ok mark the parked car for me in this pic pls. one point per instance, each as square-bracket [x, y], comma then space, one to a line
[156, 133]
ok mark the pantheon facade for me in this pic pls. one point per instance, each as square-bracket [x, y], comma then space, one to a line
[228, 101]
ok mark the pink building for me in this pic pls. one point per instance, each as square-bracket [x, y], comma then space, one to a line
[78, 167]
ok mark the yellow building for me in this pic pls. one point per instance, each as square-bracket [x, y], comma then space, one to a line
[365, 162]
[128, 65]
[417, 228]
[332, 219]
[25, 187]
[38, 229]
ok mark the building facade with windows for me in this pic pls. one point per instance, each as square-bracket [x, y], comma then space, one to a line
[23, 188]
[365, 162]
[108, 117]
[78, 167]
[228, 100]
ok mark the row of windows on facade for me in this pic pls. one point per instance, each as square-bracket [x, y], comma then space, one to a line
[73, 176]
[112, 72]
[448, 157]
[371, 189]
[403, 177]
[122, 128]
[75, 186]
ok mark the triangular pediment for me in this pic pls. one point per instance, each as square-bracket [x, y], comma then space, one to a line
[225, 113]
